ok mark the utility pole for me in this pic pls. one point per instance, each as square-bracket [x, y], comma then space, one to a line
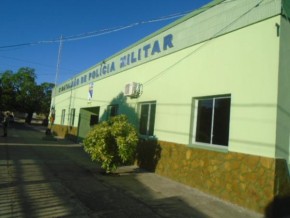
[52, 110]
[58, 64]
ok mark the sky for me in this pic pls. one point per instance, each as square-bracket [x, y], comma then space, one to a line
[30, 31]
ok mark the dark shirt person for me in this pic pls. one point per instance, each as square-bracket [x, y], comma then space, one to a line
[5, 123]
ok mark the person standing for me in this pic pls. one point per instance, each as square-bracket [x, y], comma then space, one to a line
[6, 123]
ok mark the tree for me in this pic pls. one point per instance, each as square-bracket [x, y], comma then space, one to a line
[7, 91]
[112, 142]
[28, 94]
[20, 92]
[46, 100]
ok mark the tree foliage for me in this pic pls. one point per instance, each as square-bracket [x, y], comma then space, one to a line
[112, 142]
[20, 92]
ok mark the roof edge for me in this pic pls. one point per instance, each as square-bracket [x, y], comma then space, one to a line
[178, 21]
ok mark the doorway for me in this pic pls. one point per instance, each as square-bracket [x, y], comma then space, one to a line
[88, 117]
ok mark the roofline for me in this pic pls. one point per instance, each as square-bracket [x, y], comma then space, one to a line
[180, 20]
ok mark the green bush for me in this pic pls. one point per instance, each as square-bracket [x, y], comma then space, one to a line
[112, 143]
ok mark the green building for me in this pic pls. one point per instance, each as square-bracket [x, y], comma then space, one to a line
[209, 94]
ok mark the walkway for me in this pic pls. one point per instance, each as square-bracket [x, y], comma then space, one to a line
[47, 178]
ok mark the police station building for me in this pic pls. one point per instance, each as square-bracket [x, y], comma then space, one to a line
[209, 95]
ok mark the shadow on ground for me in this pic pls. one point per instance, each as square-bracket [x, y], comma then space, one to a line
[40, 178]
[278, 208]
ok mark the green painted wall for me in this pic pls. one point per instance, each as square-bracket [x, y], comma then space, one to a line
[283, 111]
[243, 63]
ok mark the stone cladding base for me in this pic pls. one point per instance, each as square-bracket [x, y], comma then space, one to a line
[246, 180]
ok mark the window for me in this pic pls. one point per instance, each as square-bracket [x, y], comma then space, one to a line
[72, 116]
[112, 110]
[62, 117]
[213, 120]
[147, 118]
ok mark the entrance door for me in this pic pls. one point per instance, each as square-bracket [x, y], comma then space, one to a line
[88, 117]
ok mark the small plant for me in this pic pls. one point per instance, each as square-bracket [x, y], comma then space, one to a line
[112, 143]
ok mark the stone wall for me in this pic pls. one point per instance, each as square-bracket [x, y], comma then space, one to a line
[247, 180]
[282, 178]
[65, 132]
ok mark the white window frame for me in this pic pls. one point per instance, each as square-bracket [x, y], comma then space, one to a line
[195, 119]
[62, 117]
[110, 108]
[148, 119]
[72, 116]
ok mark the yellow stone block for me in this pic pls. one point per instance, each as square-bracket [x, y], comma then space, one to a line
[253, 161]
[267, 162]
[188, 154]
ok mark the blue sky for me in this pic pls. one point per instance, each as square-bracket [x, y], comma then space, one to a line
[33, 21]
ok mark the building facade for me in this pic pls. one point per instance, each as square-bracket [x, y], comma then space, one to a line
[209, 95]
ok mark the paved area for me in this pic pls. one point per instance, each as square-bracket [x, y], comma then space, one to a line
[55, 178]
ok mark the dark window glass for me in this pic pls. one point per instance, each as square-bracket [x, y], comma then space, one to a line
[213, 121]
[221, 124]
[112, 110]
[72, 118]
[203, 127]
[147, 119]
[152, 119]
[62, 116]
[144, 119]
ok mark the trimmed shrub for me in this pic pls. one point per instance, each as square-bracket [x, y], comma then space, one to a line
[112, 143]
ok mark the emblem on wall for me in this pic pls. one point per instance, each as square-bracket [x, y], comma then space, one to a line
[91, 91]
